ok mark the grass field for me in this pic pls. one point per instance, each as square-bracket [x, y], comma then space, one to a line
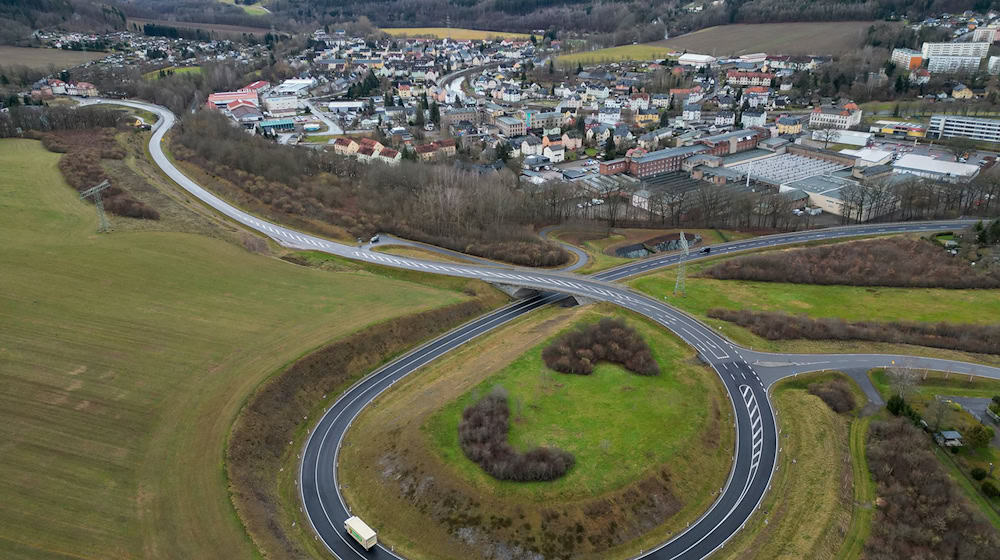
[255, 9]
[452, 33]
[603, 419]
[809, 507]
[612, 421]
[645, 51]
[830, 37]
[43, 58]
[124, 359]
[847, 302]
[155, 74]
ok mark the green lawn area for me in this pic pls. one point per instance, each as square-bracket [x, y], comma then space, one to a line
[155, 74]
[255, 9]
[125, 358]
[846, 302]
[811, 505]
[614, 54]
[606, 419]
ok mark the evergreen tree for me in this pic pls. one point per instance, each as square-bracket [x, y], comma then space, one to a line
[609, 147]
[579, 67]
[435, 113]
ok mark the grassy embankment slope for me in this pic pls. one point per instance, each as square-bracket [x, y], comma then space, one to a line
[457, 34]
[852, 303]
[820, 502]
[125, 358]
[826, 37]
[613, 421]
[43, 58]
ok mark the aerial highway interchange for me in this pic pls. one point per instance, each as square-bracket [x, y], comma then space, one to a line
[746, 374]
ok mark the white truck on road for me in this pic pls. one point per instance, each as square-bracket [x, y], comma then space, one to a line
[361, 532]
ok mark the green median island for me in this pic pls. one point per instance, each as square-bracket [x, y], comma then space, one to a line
[571, 433]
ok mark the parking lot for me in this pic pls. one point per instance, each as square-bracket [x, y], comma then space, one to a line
[937, 152]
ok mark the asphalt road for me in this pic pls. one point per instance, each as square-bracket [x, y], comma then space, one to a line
[745, 373]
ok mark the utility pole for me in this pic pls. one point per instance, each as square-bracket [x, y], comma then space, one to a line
[679, 287]
[95, 193]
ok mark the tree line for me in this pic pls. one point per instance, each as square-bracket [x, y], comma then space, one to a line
[982, 339]
[895, 262]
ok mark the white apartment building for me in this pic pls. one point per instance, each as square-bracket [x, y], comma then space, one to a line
[948, 64]
[986, 34]
[979, 49]
[993, 66]
[957, 126]
[906, 59]
[837, 117]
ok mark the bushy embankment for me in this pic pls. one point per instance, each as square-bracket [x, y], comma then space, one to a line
[482, 433]
[485, 215]
[922, 513]
[983, 339]
[609, 340]
[259, 441]
[897, 262]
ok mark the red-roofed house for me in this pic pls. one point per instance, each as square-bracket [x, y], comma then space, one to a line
[345, 146]
[389, 156]
[426, 151]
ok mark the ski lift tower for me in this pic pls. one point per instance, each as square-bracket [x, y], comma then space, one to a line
[95, 193]
[679, 287]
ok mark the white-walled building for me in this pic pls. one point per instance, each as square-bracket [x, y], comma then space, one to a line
[948, 64]
[696, 60]
[281, 105]
[979, 49]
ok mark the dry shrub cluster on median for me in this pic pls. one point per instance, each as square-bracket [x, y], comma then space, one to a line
[482, 433]
[608, 340]
[898, 262]
[924, 514]
[983, 339]
[260, 439]
[835, 393]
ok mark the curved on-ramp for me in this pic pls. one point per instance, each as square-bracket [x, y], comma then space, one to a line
[745, 374]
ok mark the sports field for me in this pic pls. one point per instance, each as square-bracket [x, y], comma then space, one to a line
[43, 58]
[155, 74]
[828, 37]
[645, 51]
[452, 33]
[124, 359]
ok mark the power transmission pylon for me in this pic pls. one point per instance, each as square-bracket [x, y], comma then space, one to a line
[95, 192]
[679, 287]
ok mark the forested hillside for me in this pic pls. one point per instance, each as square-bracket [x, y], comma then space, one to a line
[19, 18]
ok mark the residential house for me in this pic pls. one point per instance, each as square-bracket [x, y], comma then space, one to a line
[843, 117]
[530, 145]
[788, 124]
[753, 117]
[555, 152]
[960, 91]
[725, 118]
[599, 134]
[747, 78]
[692, 112]
[571, 140]
[645, 117]
[345, 146]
